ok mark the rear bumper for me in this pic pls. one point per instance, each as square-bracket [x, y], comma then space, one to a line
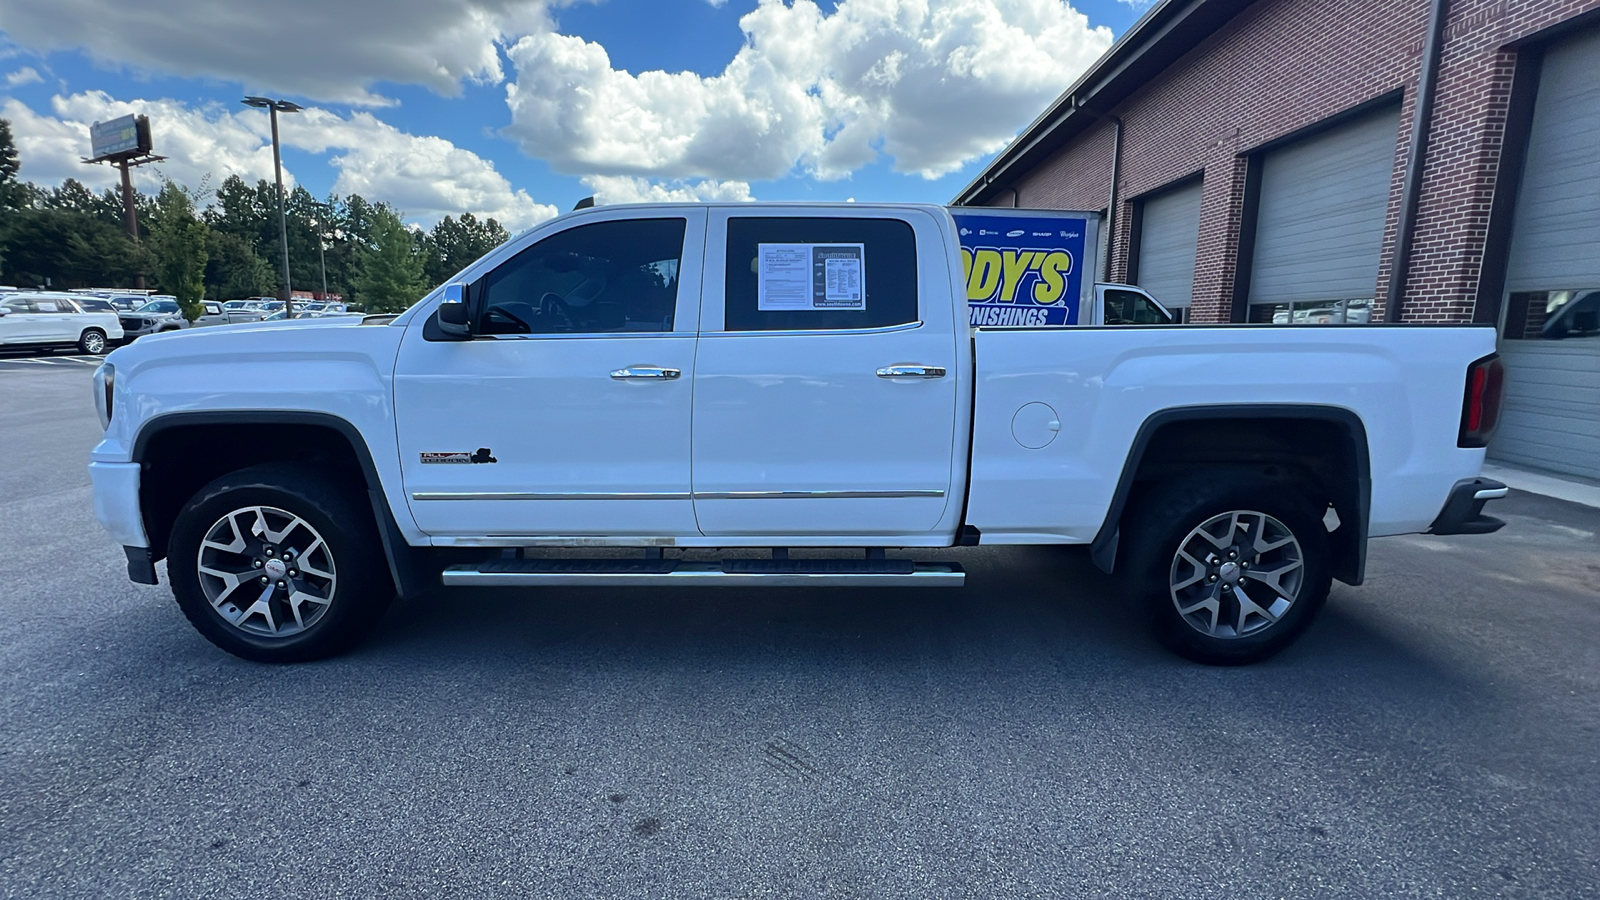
[1463, 512]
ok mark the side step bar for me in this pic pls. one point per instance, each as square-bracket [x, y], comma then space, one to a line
[726, 573]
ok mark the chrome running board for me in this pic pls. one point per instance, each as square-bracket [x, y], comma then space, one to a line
[724, 573]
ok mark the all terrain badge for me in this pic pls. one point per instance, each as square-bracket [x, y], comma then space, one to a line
[459, 457]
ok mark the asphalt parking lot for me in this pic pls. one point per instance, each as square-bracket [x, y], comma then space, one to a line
[1436, 734]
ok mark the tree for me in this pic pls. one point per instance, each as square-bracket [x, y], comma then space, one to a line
[11, 192]
[73, 196]
[391, 276]
[455, 244]
[177, 246]
[65, 249]
[234, 269]
[237, 212]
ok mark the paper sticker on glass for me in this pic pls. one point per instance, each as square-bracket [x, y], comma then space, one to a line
[811, 276]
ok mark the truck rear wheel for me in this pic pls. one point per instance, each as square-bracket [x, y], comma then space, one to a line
[1231, 566]
[275, 564]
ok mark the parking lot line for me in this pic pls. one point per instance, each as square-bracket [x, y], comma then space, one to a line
[56, 361]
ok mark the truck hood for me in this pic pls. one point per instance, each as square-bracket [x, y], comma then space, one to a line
[288, 337]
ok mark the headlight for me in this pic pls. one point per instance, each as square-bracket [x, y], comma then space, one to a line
[104, 379]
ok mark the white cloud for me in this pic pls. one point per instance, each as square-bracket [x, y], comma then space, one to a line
[333, 51]
[49, 149]
[197, 142]
[425, 177]
[609, 189]
[930, 83]
[22, 76]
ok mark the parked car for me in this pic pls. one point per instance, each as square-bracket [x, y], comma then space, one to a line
[47, 320]
[776, 376]
[153, 317]
[163, 314]
[121, 300]
[89, 303]
[242, 311]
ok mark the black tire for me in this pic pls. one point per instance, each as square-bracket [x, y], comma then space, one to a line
[1168, 519]
[355, 601]
[93, 340]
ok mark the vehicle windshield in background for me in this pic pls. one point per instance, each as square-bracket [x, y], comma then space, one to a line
[159, 306]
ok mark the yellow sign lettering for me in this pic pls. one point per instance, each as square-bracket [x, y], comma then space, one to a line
[1015, 264]
[1053, 270]
[983, 274]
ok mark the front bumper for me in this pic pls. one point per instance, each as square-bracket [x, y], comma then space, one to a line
[1463, 512]
[116, 501]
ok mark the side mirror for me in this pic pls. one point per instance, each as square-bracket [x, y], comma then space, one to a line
[453, 312]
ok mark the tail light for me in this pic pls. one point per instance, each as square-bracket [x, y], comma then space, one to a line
[1480, 410]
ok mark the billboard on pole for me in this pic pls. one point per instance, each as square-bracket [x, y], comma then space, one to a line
[125, 136]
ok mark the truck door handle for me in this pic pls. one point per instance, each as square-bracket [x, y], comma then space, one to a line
[645, 373]
[911, 371]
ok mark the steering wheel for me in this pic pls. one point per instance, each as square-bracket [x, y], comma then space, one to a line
[504, 309]
[552, 305]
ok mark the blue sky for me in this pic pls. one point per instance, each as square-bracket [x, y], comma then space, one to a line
[518, 108]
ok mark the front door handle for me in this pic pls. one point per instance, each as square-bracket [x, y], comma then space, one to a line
[911, 371]
[645, 373]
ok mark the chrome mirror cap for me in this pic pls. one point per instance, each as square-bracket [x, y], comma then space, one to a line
[454, 318]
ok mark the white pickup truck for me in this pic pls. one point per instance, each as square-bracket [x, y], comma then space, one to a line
[656, 379]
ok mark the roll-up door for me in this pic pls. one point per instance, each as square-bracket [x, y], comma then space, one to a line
[1550, 337]
[1169, 229]
[1319, 223]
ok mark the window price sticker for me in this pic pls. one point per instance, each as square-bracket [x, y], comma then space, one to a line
[811, 276]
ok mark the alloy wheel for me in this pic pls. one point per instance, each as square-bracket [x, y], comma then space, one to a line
[266, 571]
[1236, 574]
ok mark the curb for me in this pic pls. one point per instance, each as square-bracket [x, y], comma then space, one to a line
[1545, 484]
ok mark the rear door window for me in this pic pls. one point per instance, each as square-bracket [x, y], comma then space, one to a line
[797, 274]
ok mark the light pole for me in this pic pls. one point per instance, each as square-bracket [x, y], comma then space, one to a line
[322, 246]
[274, 107]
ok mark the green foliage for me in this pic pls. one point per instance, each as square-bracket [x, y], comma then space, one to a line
[391, 276]
[234, 269]
[70, 249]
[11, 193]
[455, 244]
[75, 238]
[178, 249]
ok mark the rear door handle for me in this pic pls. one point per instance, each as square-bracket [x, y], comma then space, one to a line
[911, 371]
[645, 373]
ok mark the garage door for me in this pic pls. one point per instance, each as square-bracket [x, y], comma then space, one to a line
[1550, 337]
[1319, 223]
[1169, 229]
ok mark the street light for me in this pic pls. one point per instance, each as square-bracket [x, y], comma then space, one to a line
[274, 107]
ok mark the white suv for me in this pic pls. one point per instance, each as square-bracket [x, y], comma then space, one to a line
[46, 320]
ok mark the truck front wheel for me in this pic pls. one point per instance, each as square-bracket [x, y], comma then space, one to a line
[1232, 566]
[276, 564]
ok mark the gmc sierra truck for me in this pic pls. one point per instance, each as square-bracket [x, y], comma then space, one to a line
[657, 379]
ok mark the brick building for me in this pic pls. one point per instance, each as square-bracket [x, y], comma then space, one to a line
[1309, 161]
